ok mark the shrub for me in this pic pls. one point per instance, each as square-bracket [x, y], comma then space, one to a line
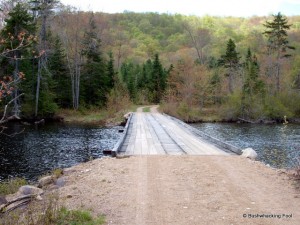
[274, 108]
[50, 212]
[11, 186]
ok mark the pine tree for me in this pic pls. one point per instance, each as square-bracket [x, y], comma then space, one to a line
[42, 10]
[278, 44]
[110, 72]
[231, 62]
[94, 77]
[19, 22]
[253, 87]
[158, 80]
[129, 77]
[60, 75]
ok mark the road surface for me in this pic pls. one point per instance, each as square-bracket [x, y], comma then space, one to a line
[155, 134]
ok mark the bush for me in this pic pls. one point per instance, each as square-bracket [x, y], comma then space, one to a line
[232, 108]
[11, 186]
[77, 217]
[118, 100]
[50, 212]
[291, 102]
[274, 109]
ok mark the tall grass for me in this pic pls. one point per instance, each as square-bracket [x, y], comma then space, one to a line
[50, 212]
[11, 186]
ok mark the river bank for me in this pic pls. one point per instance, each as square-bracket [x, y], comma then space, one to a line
[182, 190]
[103, 117]
[215, 115]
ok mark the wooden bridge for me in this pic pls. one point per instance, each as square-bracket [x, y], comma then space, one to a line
[156, 134]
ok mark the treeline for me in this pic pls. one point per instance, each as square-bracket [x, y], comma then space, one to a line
[236, 67]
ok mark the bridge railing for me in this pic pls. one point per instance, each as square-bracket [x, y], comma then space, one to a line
[119, 144]
[213, 140]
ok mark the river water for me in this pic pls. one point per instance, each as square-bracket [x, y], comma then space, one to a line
[39, 150]
[277, 145]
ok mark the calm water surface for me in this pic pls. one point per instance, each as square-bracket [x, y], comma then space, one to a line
[277, 145]
[41, 149]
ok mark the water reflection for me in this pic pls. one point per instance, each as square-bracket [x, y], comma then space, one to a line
[276, 145]
[41, 149]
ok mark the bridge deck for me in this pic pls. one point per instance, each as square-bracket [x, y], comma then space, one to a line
[156, 134]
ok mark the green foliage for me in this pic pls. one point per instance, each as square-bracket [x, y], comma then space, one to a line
[18, 20]
[157, 82]
[11, 186]
[188, 113]
[16, 39]
[50, 212]
[77, 217]
[291, 101]
[132, 38]
[275, 109]
[58, 172]
[231, 57]
[111, 74]
[231, 62]
[47, 106]
[95, 80]
[146, 109]
[118, 98]
[59, 74]
[149, 80]
[253, 90]
[231, 110]
[276, 32]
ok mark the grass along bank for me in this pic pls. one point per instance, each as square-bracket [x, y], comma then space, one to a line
[191, 114]
[95, 116]
[49, 211]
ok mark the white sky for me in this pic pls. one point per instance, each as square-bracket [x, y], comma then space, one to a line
[244, 8]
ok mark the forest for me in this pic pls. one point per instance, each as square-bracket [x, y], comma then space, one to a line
[56, 57]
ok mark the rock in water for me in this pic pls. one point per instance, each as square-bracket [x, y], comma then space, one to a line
[30, 190]
[249, 153]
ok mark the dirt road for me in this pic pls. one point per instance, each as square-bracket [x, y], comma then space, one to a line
[183, 190]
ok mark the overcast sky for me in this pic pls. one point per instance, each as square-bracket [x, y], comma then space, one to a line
[244, 8]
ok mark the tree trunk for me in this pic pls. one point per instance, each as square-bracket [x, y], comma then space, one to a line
[194, 43]
[38, 84]
[17, 106]
[277, 77]
[230, 82]
[41, 62]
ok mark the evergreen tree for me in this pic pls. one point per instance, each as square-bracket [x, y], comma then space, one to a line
[215, 86]
[253, 87]
[60, 75]
[231, 62]
[110, 72]
[42, 10]
[94, 77]
[19, 25]
[158, 80]
[129, 77]
[146, 74]
[278, 44]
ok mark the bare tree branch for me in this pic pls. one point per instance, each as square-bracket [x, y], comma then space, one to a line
[4, 119]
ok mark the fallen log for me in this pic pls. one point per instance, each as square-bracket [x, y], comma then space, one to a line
[20, 202]
[246, 121]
